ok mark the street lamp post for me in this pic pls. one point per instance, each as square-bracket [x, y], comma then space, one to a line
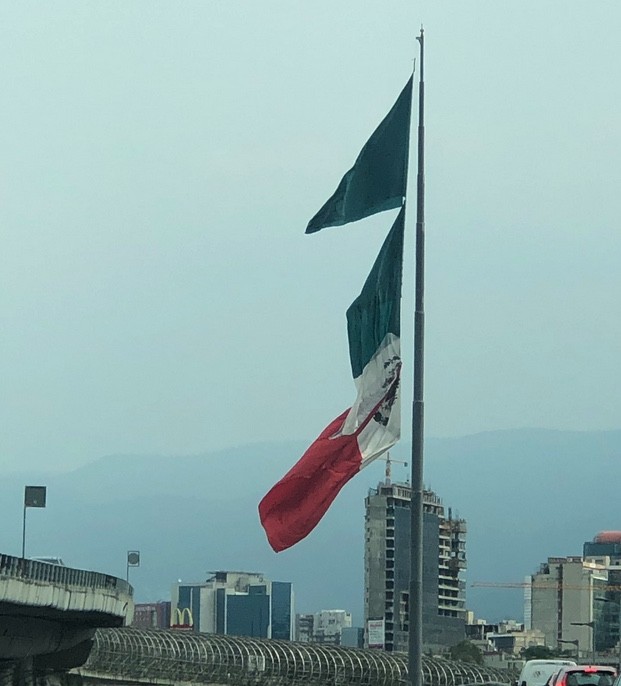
[133, 560]
[34, 496]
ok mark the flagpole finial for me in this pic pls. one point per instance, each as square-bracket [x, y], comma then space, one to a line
[421, 42]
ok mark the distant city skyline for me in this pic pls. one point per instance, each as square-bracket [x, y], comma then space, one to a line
[203, 510]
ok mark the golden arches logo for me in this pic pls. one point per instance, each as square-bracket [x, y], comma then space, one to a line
[181, 617]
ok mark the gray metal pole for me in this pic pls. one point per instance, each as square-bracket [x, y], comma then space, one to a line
[619, 669]
[415, 638]
[24, 532]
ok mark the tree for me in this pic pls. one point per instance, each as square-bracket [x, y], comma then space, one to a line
[538, 653]
[466, 651]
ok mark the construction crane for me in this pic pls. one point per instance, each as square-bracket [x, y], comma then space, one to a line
[552, 584]
[500, 584]
[389, 462]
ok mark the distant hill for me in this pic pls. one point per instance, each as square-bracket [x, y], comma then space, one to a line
[526, 494]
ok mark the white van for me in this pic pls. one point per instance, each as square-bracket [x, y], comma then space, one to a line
[537, 672]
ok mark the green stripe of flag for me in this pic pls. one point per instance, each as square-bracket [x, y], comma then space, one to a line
[376, 311]
[377, 180]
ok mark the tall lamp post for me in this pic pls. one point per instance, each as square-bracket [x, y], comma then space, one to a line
[34, 496]
[591, 625]
[133, 560]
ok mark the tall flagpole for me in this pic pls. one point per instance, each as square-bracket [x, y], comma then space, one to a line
[415, 639]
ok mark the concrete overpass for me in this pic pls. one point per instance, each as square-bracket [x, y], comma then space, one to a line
[49, 615]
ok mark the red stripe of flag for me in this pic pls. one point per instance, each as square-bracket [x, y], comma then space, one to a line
[294, 506]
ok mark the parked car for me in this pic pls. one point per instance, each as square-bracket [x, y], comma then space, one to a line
[584, 675]
[537, 672]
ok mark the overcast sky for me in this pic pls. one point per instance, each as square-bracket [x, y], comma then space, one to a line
[159, 162]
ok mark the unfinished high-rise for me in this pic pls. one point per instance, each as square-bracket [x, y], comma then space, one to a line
[387, 570]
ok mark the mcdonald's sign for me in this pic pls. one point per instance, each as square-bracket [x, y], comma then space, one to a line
[184, 619]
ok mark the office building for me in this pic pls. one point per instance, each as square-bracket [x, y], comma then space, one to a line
[564, 605]
[604, 544]
[387, 570]
[605, 548]
[235, 604]
[325, 627]
[304, 624]
[152, 615]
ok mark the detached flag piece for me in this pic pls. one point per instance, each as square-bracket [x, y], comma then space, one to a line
[294, 506]
[377, 180]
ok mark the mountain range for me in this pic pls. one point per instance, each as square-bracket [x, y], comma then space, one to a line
[526, 494]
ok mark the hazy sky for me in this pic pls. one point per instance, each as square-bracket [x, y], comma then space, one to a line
[160, 160]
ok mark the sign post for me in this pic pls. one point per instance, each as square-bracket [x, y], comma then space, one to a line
[133, 560]
[376, 634]
[34, 496]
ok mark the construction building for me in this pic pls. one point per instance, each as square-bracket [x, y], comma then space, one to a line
[387, 570]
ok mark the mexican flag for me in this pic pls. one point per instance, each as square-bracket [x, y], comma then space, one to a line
[294, 506]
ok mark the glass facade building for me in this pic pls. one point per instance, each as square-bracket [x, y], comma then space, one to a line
[283, 615]
[236, 604]
[606, 547]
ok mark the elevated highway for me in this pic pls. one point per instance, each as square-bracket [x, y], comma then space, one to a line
[49, 615]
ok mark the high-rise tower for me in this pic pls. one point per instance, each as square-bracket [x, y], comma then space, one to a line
[387, 570]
